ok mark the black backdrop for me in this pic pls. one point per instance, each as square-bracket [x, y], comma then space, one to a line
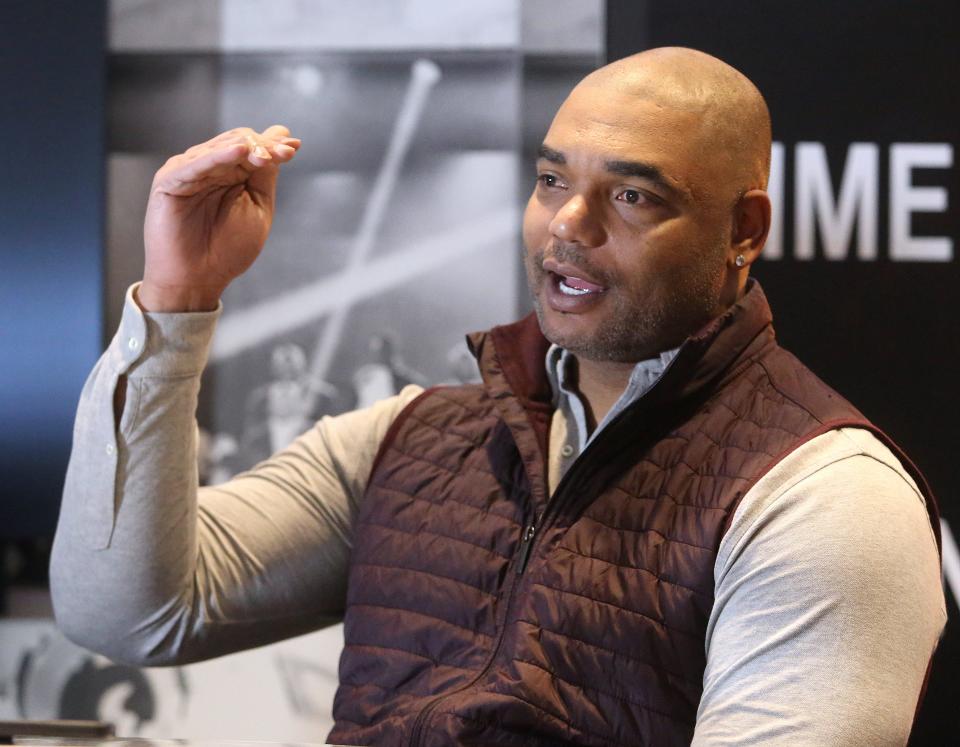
[882, 330]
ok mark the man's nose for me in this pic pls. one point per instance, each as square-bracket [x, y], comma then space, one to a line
[576, 222]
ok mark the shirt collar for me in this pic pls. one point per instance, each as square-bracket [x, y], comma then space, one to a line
[559, 366]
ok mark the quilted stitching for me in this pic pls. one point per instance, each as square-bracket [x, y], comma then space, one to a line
[613, 607]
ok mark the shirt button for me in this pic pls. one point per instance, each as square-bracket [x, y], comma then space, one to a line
[109, 449]
[133, 343]
[567, 450]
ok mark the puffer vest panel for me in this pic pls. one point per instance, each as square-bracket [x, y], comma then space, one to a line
[434, 542]
[605, 638]
[600, 639]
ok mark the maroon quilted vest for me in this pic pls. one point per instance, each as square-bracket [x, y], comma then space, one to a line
[480, 614]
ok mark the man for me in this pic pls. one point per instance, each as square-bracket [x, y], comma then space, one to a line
[669, 531]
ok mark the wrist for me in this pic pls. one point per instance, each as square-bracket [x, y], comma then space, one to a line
[154, 298]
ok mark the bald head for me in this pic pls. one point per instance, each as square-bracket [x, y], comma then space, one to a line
[649, 204]
[733, 122]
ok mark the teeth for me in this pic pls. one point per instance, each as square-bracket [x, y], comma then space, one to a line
[568, 291]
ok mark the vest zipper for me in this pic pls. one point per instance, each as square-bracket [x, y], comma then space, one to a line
[523, 557]
[530, 532]
[526, 541]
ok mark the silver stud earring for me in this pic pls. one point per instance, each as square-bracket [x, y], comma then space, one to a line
[740, 261]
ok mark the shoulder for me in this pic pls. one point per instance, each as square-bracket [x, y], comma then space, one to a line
[839, 481]
[840, 517]
[464, 410]
[352, 434]
[796, 386]
[830, 565]
[445, 404]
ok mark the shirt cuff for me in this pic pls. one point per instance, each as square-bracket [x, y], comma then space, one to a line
[168, 345]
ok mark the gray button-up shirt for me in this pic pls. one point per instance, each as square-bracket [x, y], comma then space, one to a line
[818, 633]
[570, 427]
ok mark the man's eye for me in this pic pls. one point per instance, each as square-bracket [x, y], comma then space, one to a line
[632, 196]
[548, 180]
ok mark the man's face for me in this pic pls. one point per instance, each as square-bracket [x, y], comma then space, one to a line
[628, 228]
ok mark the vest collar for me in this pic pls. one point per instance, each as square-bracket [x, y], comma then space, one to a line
[511, 357]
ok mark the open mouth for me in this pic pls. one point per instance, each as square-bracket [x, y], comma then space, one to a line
[574, 286]
[568, 291]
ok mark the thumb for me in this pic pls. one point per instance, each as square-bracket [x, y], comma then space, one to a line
[262, 185]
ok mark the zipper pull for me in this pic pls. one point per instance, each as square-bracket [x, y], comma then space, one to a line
[526, 543]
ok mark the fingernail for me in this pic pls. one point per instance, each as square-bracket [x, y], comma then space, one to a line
[283, 150]
[261, 152]
[290, 140]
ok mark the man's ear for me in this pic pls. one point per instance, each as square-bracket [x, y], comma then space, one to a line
[751, 224]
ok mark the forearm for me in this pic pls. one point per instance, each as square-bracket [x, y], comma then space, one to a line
[148, 568]
[126, 543]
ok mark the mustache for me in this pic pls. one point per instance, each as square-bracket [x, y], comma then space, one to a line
[572, 254]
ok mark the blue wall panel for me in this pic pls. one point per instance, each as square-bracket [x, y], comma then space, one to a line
[52, 80]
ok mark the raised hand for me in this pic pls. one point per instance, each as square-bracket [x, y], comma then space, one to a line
[208, 217]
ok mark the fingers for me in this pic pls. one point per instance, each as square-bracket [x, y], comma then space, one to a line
[259, 150]
[228, 158]
[276, 131]
[273, 144]
[196, 171]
